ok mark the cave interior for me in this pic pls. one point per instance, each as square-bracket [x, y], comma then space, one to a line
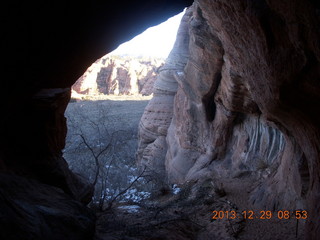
[48, 45]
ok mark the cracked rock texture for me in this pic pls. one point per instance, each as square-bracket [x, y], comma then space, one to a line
[245, 102]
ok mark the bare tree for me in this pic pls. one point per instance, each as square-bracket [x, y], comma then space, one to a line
[102, 147]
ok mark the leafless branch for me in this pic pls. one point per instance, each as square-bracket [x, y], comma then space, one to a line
[96, 157]
[126, 189]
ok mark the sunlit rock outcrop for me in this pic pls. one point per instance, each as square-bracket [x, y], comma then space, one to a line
[158, 113]
[119, 75]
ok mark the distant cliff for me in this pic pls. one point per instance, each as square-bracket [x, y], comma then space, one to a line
[119, 75]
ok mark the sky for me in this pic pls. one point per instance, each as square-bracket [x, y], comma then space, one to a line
[156, 41]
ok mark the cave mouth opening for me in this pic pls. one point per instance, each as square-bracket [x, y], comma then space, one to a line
[103, 115]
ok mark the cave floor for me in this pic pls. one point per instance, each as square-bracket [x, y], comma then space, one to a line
[274, 228]
[184, 216]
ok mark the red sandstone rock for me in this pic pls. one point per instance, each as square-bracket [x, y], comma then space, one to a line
[119, 75]
[158, 113]
[247, 102]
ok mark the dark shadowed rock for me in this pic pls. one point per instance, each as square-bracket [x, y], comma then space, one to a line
[31, 210]
[58, 41]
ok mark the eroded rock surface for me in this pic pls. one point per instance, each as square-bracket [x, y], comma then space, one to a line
[245, 103]
[119, 75]
[158, 114]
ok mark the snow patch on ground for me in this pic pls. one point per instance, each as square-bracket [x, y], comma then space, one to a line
[130, 208]
[134, 195]
[175, 189]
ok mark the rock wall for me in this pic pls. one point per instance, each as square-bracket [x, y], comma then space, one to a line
[40, 211]
[243, 103]
[40, 197]
[119, 75]
[158, 114]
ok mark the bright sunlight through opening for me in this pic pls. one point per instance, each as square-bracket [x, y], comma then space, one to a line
[156, 41]
[131, 70]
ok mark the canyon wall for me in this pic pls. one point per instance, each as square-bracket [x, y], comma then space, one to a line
[243, 102]
[119, 75]
[158, 113]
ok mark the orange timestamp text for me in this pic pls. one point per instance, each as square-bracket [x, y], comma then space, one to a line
[250, 214]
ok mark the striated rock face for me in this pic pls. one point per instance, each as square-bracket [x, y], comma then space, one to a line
[158, 114]
[244, 102]
[119, 75]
